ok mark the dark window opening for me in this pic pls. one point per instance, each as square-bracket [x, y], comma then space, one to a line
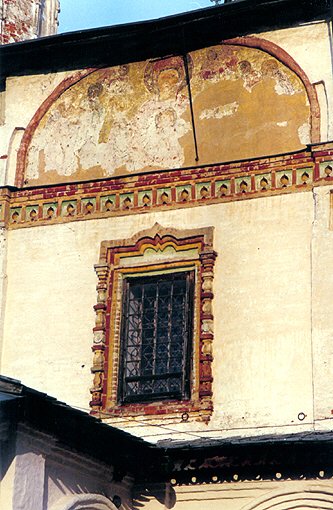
[156, 337]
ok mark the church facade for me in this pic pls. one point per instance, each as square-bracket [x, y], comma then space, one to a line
[166, 227]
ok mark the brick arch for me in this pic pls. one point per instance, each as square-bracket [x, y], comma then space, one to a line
[39, 114]
[280, 54]
[252, 42]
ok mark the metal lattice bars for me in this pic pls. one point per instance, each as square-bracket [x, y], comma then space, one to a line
[156, 337]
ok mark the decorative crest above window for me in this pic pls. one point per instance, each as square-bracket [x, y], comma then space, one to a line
[154, 325]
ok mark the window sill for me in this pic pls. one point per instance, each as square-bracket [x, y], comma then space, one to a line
[183, 411]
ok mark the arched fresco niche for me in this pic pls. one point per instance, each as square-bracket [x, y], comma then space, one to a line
[247, 104]
[136, 117]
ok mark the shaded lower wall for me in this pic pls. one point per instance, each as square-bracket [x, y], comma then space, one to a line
[8, 428]
[259, 495]
[41, 475]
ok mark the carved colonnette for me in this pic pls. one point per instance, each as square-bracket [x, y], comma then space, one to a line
[207, 260]
[191, 250]
[99, 344]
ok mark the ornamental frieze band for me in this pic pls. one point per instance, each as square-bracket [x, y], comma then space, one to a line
[162, 190]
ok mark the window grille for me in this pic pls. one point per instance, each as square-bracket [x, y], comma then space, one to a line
[156, 337]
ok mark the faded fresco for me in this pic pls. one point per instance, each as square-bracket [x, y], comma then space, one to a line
[136, 117]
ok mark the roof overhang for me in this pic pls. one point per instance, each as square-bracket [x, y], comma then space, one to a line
[75, 429]
[173, 35]
[294, 456]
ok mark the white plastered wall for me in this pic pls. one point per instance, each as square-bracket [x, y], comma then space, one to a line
[31, 91]
[242, 495]
[309, 46]
[262, 306]
[322, 321]
[273, 255]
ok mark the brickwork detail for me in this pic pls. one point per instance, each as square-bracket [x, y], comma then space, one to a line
[22, 20]
[106, 347]
[191, 187]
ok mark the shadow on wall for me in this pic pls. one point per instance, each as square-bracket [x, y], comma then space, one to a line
[70, 482]
[77, 489]
[84, 502]
[163, 493]
[8, 428]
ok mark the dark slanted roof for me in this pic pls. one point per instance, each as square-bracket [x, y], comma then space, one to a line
[241, 441]
[75, 429]
[295, 456]
[307, 454]
[173, 35]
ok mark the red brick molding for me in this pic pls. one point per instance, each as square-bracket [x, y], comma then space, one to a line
[251, 42]
[33, 124]
[114, 264]
[161, 191]
[284, 57]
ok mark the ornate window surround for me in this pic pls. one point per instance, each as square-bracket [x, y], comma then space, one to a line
[154, 251]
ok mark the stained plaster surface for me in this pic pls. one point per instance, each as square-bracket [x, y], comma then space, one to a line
[271, 335]
[322, 324]
[19, 20]
[145, 106]
[264, 276]
[302, 44]
[31, 91]
[137, 117]
[240, 495]
[22, 20]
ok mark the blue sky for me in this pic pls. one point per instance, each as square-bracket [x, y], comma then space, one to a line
[80, 14]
